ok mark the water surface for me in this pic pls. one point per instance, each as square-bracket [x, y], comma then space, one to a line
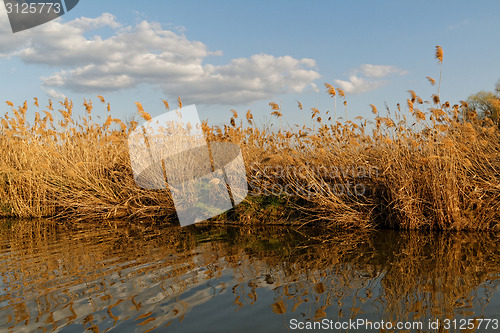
[123, 278]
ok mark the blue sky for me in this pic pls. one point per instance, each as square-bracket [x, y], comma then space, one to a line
[238, 55]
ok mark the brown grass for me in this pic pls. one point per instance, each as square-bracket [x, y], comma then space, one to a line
[431, 166]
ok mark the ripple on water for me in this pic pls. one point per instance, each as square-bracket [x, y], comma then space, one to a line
[216, 278]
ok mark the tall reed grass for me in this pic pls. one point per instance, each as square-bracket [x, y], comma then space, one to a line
[426, 165]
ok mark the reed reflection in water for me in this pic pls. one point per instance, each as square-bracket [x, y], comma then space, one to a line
[127, 278]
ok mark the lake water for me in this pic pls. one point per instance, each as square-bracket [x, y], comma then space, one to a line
[124, 278]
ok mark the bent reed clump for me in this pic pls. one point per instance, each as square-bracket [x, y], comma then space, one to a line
[427, 165]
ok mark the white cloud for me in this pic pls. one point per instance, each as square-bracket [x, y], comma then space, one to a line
[54, 94]
[85, 23]
[358, 85]
[377, 71]
[363, 82]
[8, 40]
[147, 53]
[459, 25]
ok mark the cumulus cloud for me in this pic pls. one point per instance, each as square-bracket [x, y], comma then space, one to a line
[149, 54]
[361, 79]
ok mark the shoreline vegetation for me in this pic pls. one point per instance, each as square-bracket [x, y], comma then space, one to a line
[427, 165]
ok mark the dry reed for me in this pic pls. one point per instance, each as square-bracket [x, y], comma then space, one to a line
[431, 166]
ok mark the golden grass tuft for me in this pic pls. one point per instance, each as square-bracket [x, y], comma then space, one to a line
[249, 117]
[439, 54]
[330, 89]
[165, 103]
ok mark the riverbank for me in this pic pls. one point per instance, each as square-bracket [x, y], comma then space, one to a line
[438, 169]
